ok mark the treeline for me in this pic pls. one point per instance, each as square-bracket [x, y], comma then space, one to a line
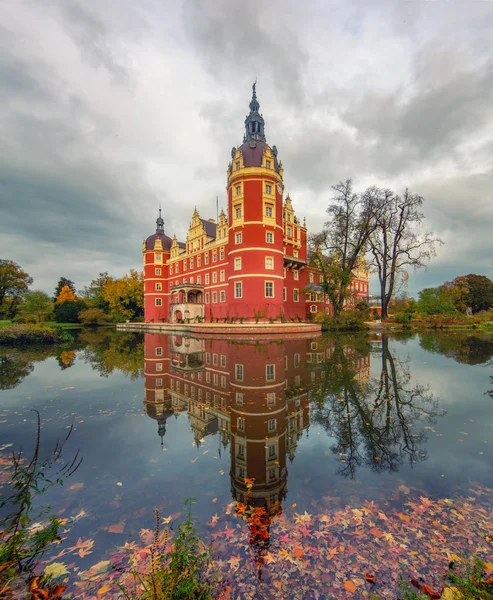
[105, 300]
[466, 295]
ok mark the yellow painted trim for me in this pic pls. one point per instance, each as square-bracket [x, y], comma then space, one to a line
[260, 223]
[268, 249]
[268, 275]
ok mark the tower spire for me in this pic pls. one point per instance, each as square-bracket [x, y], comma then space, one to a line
[160, 221]
[254, 123]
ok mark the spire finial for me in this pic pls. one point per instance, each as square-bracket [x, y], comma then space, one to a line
[254, 123]
[160, 221]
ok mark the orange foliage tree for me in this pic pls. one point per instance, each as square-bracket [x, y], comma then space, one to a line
[66, 295]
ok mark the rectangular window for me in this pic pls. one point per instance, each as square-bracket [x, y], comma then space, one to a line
[214, 277]
[238, 190]
[269, 262]
[207, 298]
[269, 289]
[207, 358]
[223, 360]
[206, 258]
[158, 270]
[295, 253]
[239, 398]
[214, 256]
[284, 294]
[313, 308]
[237, 264]
[159, 302]
[238, 238]
[311, 277]
[184, 265]
[237, 165]
[199, 279]
[223, 296]
[290, 232]
[238, 289]
[267, 164]
[295, 295]
[238, 212]
[296, 274]
[272, 474]
[241, 424]
[221, 275]
[199, 261]
[268, 189]
[272, 425]
[158, 256]
[271, 399]
[223, 381]
[241, 451]
[215, 379]
[207, 278]
[214, 297]
[221, 254]
[270, 372]
[239, 372]
[159, 366]
[268, 211]
[296, 360]
[272, 451]
[215, 359]
[159, 287]
[269, 237]
[192, 263]
[159, 351]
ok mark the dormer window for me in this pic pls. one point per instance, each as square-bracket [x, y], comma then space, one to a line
[237, 165]
[267, 164]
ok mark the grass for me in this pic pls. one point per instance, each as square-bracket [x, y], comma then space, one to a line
[8, 323]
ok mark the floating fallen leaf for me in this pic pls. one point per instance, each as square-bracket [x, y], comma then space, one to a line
[370, 577]
[118, 528]
[350, 586]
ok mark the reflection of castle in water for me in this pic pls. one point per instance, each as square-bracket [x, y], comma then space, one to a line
[254, 396]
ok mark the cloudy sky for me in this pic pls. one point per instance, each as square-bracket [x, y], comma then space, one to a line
[109, 108]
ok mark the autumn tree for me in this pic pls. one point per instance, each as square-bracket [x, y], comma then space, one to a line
[14, 283]
[61, 284]
[37, 303]
[396, 244]
[340, 247]
[477, 291]
[125, 295]
[66, 295]
[68, 306]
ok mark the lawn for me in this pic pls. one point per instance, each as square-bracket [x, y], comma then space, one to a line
[8, 323]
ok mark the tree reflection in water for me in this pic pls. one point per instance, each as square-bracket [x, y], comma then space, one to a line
[374, 420]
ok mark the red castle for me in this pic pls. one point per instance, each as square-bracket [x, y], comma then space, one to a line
[250, 265]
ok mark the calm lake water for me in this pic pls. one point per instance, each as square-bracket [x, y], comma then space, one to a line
[288, 425]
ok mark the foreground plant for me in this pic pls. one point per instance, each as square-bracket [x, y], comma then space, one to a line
[23, 542]
[177, 569]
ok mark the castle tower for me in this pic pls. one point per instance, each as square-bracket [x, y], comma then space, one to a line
[156, 252]
[255, 223]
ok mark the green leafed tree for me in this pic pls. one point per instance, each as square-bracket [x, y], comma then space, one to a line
[436, 301]
[37, 304]
[93, 293]
[14, 283]
[125, 296]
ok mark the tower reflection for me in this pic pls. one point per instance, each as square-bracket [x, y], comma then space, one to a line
[254, 396]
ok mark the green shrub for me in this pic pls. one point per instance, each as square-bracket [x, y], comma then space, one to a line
[31, 334]
[184, 571]
[93, 316]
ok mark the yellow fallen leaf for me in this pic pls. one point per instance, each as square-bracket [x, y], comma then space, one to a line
[349, 585]
[104, 589]
[451, 593]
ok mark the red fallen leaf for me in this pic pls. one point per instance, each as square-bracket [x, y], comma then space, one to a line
[489, 581]
[370, 577]
[426, 589]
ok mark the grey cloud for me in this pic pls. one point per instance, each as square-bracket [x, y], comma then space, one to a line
[247, 39]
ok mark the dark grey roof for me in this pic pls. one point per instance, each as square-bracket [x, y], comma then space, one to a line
[210, 228]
